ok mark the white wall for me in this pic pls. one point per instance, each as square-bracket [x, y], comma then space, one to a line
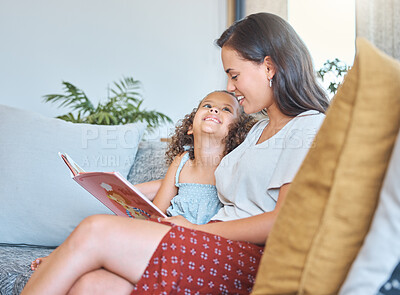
[326, 26]
[167, 45]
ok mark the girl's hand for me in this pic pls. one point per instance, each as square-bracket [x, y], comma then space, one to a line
[36, 262]
[181, 221]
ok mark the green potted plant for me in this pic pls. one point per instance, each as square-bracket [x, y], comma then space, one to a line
[123, 106]
[333, 71]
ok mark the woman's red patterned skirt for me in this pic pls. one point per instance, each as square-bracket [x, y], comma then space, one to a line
[194, 262]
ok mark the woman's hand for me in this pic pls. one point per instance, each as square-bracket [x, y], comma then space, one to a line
[181, 221]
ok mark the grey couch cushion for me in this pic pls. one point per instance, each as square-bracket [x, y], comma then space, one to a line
[15, 266]
[149, 162]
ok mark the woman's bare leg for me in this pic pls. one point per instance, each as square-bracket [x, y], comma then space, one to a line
[120, 245]
[101, 282]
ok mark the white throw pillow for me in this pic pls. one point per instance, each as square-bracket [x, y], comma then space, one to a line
[39, 202]
[380, 252]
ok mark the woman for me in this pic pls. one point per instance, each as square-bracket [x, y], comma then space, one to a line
[269, 69]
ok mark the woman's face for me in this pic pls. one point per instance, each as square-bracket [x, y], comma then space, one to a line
[248, 80]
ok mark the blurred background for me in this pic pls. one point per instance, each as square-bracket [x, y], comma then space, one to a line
[167, 45]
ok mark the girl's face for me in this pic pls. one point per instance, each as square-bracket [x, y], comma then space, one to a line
[249, 81]
[215, 113]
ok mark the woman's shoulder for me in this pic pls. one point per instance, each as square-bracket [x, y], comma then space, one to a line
[306, 124]
[310, 113]
[311, 117]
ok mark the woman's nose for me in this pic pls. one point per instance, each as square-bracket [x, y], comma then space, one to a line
[230, 86]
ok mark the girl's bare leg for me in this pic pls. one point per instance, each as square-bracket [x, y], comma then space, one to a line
[101, 282]
[120, 245]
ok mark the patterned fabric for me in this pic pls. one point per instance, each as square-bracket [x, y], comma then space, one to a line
[15, 266]
[197, 202]
[194, 262]
[392, 286]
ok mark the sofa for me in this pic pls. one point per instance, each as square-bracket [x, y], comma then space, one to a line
[337, 232]
[149, 164]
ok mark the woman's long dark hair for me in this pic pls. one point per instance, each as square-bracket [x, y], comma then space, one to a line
[295, 86]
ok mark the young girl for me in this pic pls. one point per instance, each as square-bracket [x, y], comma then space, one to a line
[211, 131]
[201, 139]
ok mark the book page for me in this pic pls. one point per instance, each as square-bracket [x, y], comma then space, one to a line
[114, 191]
[75, 168]
[118, 194]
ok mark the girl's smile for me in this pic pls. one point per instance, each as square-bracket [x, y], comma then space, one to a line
[212, 118]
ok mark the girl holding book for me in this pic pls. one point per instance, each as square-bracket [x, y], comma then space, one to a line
[212, 130]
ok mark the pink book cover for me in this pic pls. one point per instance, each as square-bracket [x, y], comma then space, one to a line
[114, 191]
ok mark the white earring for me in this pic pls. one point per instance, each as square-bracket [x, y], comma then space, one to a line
[270, 82]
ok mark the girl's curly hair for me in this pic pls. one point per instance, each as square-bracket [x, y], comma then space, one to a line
[181, 141]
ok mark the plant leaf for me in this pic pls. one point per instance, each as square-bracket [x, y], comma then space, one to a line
[122, 107]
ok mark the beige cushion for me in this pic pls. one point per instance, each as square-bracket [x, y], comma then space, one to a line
[332, 199]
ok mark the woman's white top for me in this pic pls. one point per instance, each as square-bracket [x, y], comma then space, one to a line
[248, 179]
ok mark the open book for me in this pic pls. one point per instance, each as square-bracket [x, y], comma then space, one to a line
[114, 191]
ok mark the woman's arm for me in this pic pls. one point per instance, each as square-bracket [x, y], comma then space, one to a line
[253, 229]
[150, 188]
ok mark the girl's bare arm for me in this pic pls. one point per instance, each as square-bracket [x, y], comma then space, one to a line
[168, 190]
[150, 188]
